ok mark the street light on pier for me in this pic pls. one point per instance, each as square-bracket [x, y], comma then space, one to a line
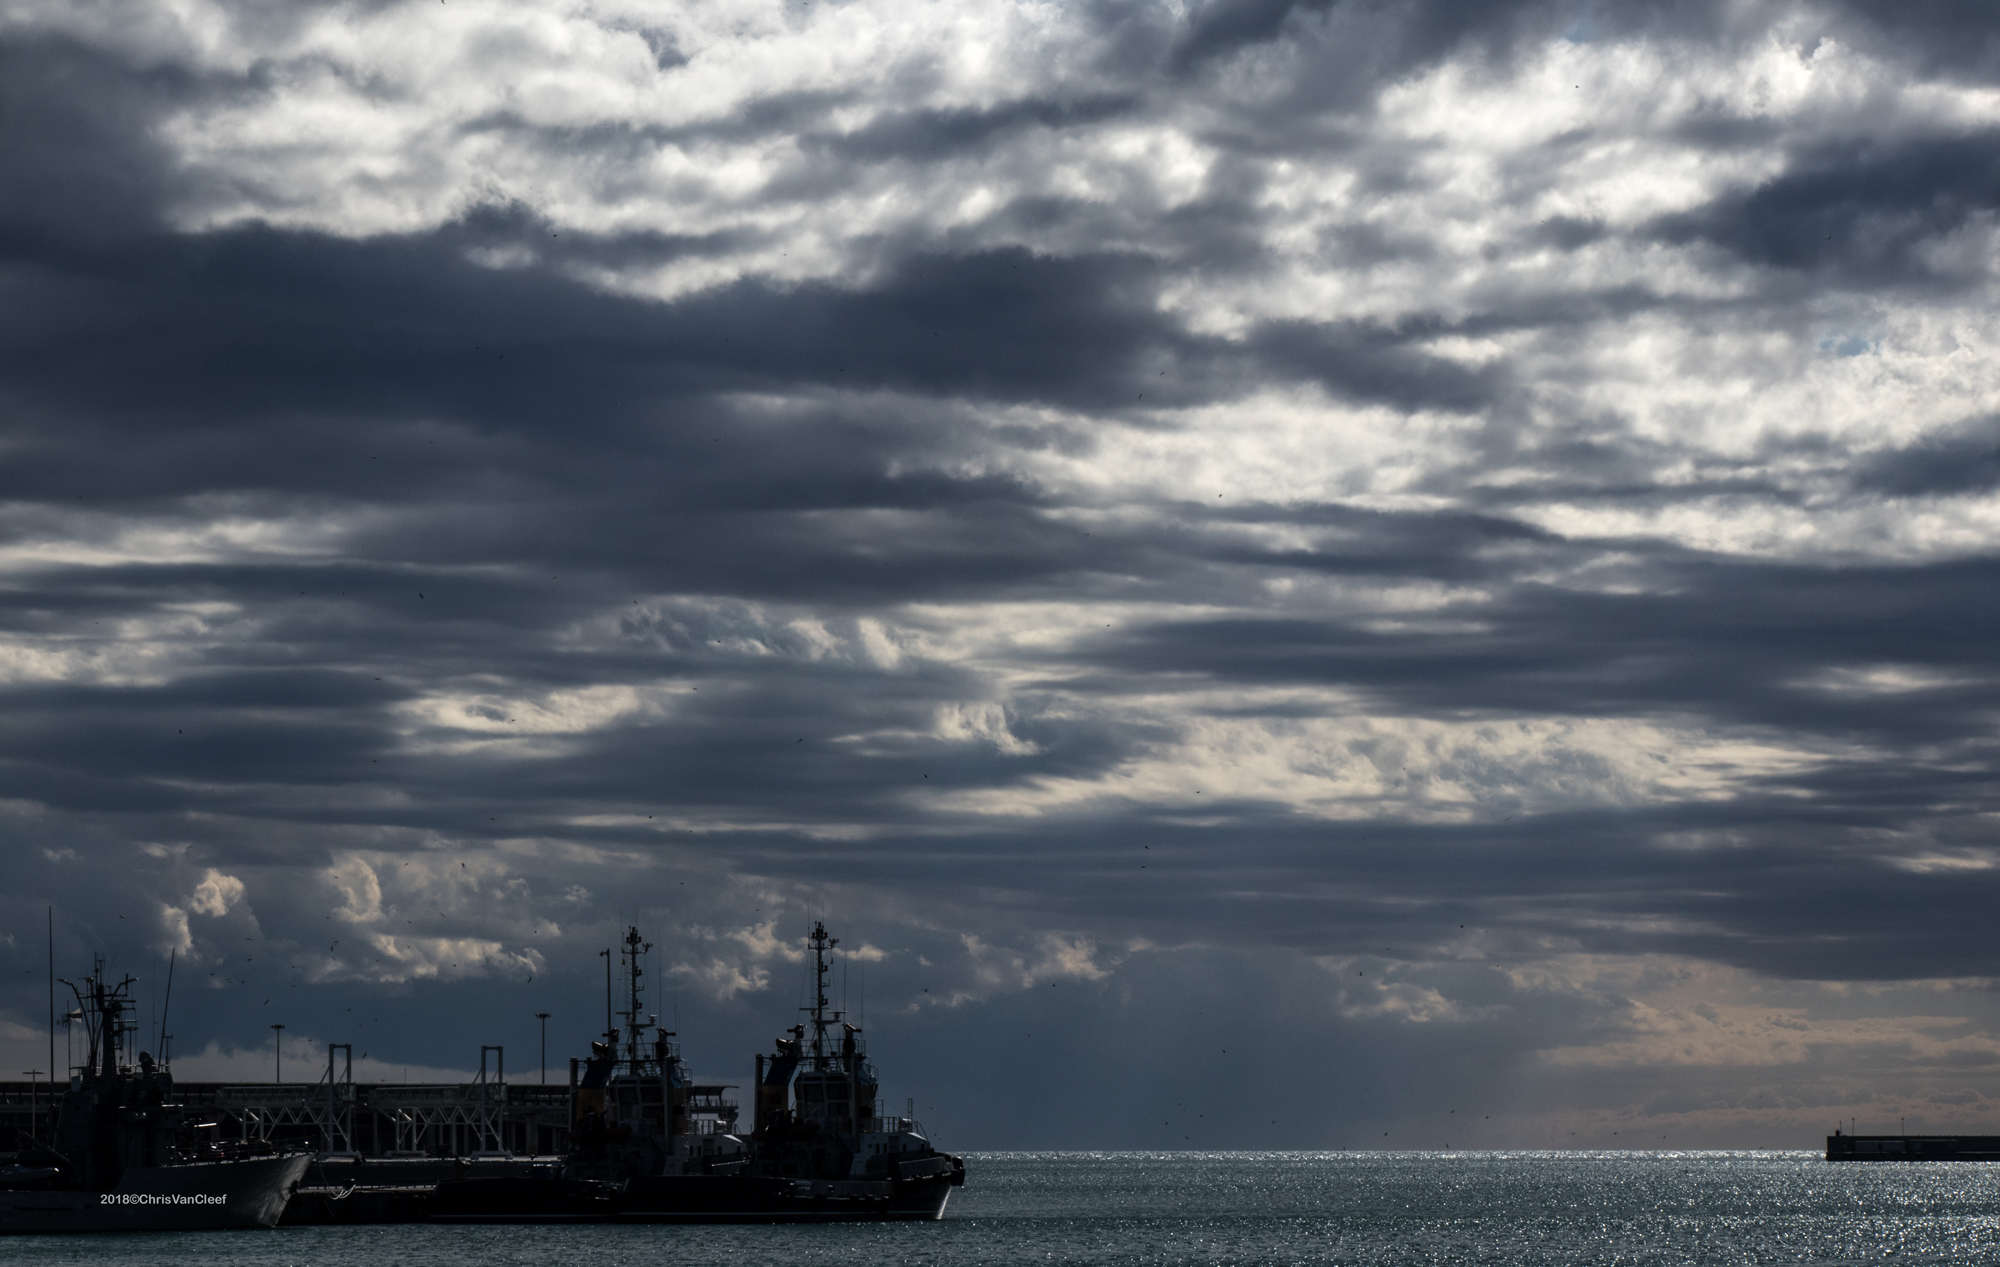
[35, 1102]
[543, 1017]
[277, 1053]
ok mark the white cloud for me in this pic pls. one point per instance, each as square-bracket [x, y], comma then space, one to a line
[1353, 762]
[1001, 969]
[984, 722]
[216, 894]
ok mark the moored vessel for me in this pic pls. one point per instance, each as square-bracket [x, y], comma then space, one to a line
[821, 1150]
[648, 1145]
[123, 1156]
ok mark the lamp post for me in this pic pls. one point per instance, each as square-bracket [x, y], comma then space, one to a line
[543, 1017]
[277, 1053]
[35, 1103]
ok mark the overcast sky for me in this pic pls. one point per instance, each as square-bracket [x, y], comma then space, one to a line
[1322, 574]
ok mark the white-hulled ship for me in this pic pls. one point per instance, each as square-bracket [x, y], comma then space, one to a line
[123, 1157]
[649, 1146]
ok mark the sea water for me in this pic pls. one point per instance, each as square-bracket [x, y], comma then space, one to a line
[1142, 1209]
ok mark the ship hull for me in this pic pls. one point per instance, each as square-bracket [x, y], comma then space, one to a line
[520, 1199]
[691, 1199]
[201, 1196]
[744, 1199]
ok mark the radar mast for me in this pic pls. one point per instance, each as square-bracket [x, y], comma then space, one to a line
[821, 1017]
[634, 948]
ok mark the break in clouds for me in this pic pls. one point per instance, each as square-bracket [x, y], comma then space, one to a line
[1447, 550]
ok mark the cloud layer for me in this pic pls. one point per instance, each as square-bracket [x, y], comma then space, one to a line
[1392, 530]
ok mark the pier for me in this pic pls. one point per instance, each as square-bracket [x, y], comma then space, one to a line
[1843, 1147]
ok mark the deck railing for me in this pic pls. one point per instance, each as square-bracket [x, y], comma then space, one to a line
[891, 1125]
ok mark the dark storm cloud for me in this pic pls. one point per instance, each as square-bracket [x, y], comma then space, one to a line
[352, 343]
[1955, 36]
[1401, 35]
[1366, 43]
[1368, 362]
[1771, 882]
[1965, 461]
[226, 331]
[1774, 649]
[1863, 210]
[73, 126]
[920, 135]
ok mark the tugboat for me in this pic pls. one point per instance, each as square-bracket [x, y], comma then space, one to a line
[123, 1157]
[649, 1146]
[820, 1151]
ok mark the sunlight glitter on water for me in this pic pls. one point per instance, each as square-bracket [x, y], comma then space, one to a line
[1172, 1209]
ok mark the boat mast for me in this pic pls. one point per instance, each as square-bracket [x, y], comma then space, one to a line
[821, 1018]
[101, 1006]
[167, 1039]
[52, 1007]
[634, 948]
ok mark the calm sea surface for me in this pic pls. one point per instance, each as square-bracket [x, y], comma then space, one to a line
[1116, 1209]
